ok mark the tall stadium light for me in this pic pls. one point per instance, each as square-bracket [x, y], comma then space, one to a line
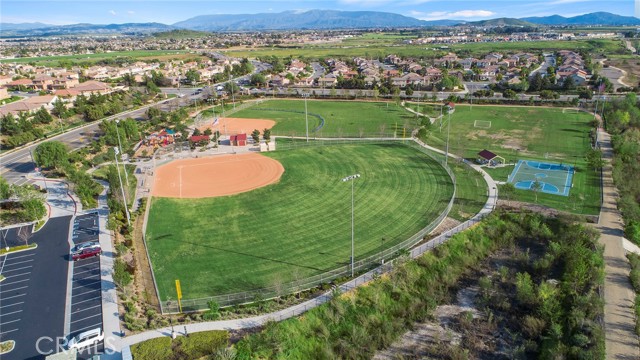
[126, 177]
[446, 157]
[306, 115]
[126, 208]
[352, 178]
[233, 96]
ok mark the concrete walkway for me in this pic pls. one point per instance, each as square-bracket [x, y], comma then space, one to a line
[619, 317]
[121, 346]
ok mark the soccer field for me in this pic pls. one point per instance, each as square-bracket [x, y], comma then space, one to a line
[341, 118]
[298, 227]
[529, 133]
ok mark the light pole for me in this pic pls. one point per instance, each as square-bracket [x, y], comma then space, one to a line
[126, 208]
[306, 115]
[352, 178]
[126, 177]
[446, 157]
[233, 96]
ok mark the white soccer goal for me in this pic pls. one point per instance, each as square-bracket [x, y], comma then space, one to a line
[570, 110]
[482, 124]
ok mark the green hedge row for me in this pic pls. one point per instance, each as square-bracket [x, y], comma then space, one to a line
[194, 346]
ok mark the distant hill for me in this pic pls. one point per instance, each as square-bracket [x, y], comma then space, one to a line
[501, 22]
[23, 26]
[312, 19]
[597, 18]
[80, 29]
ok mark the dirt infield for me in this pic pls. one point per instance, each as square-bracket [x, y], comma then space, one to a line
[232, 126]
[215, 176]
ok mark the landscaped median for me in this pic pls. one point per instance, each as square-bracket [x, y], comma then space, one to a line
[7, 346]
[5, 251]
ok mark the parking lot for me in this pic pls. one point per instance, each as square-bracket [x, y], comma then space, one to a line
[86, 290]
[16, 268]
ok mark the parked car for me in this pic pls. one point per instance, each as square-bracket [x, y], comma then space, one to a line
[85, 245]
[86, 253]
[87, 338]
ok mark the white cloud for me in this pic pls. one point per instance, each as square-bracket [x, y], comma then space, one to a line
[560, 2]
[112, 12]
[131, 12]
[364, 2]
[454, 15]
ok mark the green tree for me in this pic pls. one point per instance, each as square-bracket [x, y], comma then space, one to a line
[192, 76]
[60, 109]
[594, 159]
[266, 135]
[255, 134]
[42, 116]
[51, 154]
[5, 189]
[258, 80]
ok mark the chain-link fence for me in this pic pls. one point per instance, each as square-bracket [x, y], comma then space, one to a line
[360, 266]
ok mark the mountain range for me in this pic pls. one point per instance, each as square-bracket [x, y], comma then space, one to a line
[294, 20]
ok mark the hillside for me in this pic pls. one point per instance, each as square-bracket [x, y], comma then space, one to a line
[597, 18]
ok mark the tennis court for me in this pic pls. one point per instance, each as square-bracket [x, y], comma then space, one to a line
[554, 178]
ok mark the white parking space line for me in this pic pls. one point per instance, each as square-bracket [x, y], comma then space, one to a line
[21, 256]
[81, 272]
[83, 265]
[22, 268]
[86, 292]
[84, 301]
[16, 275]
[90, 277]
[11, 297]
[88, 317]
[93, 326]
[18, 262]
[8, 331]
[13, 282]
[13, 312]
[89, 308]
[87, 285]
[14, 304]
[9, 322]
[18, 288]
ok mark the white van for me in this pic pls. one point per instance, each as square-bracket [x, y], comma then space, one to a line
[86, 338]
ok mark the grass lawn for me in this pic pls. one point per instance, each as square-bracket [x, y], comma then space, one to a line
[501, 173]
[528, 133]
[299, 226]
[431, 110]
[342, 118]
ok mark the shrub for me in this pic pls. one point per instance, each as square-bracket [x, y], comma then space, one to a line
[200, 344]
[120, 274]
[153, 349]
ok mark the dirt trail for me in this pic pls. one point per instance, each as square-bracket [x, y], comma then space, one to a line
[619, 318]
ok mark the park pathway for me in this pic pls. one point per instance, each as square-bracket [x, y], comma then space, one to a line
[619, 318]
[120, 348]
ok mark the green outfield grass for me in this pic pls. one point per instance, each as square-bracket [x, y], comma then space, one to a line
[528, 133]
[299, 226]
[342, 118]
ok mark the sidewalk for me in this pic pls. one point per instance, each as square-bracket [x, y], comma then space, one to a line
[122, 344]
[619, 317]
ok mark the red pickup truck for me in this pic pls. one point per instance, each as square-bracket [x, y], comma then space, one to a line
[86, 253]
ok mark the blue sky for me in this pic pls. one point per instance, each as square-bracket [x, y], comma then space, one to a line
[171, 11]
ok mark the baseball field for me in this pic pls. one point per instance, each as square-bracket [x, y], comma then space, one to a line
[341, 118]
[299, 226]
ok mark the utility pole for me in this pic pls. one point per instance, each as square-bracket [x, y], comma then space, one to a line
[126, 207]
[126, 177]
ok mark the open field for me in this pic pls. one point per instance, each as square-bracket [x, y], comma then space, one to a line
[529, 133]
[299, 226]
[371, 47]
[91, 58]
[342, 118]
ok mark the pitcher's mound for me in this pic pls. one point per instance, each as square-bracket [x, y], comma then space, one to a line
[215, 176]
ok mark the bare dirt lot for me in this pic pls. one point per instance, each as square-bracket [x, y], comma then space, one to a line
[215, 176]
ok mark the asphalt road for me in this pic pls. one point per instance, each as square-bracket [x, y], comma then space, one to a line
[15, 165]
[42, 315]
